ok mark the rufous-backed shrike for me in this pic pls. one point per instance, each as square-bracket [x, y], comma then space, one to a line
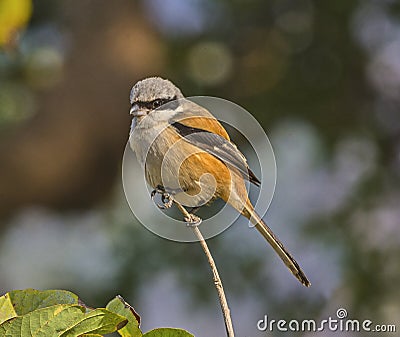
[186, 152]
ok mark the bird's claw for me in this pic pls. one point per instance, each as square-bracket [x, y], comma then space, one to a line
[166, 198]
[167, 201]
[157, 190]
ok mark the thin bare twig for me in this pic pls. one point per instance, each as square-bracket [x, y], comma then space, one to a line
[217, 280]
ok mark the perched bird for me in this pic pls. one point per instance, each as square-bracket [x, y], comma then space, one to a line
[187, 153]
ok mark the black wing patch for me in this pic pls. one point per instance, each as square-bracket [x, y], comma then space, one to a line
[219, 147]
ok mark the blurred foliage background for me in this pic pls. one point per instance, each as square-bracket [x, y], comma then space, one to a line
[323, 78]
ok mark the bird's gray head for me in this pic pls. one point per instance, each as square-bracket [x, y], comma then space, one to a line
[151, 93]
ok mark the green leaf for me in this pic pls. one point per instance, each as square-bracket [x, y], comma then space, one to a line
[60, 313]
[20, 302]
[119, 306]
[63, 320]
[41, 322]
[98, 321]
[167, 332]
[7, 310]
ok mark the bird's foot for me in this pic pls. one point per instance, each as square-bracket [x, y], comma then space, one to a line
[158, 190]
[167, 201]
[166, 198]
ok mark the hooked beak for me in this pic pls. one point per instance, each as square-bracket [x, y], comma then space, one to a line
[136, 112]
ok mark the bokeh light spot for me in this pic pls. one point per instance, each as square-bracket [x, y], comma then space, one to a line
[210, 63]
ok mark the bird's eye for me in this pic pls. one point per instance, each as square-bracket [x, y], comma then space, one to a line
[157, 103]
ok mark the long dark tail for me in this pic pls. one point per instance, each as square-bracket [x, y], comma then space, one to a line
[276, 244]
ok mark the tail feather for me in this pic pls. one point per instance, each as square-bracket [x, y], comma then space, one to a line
[238, 199]
[276, 244]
